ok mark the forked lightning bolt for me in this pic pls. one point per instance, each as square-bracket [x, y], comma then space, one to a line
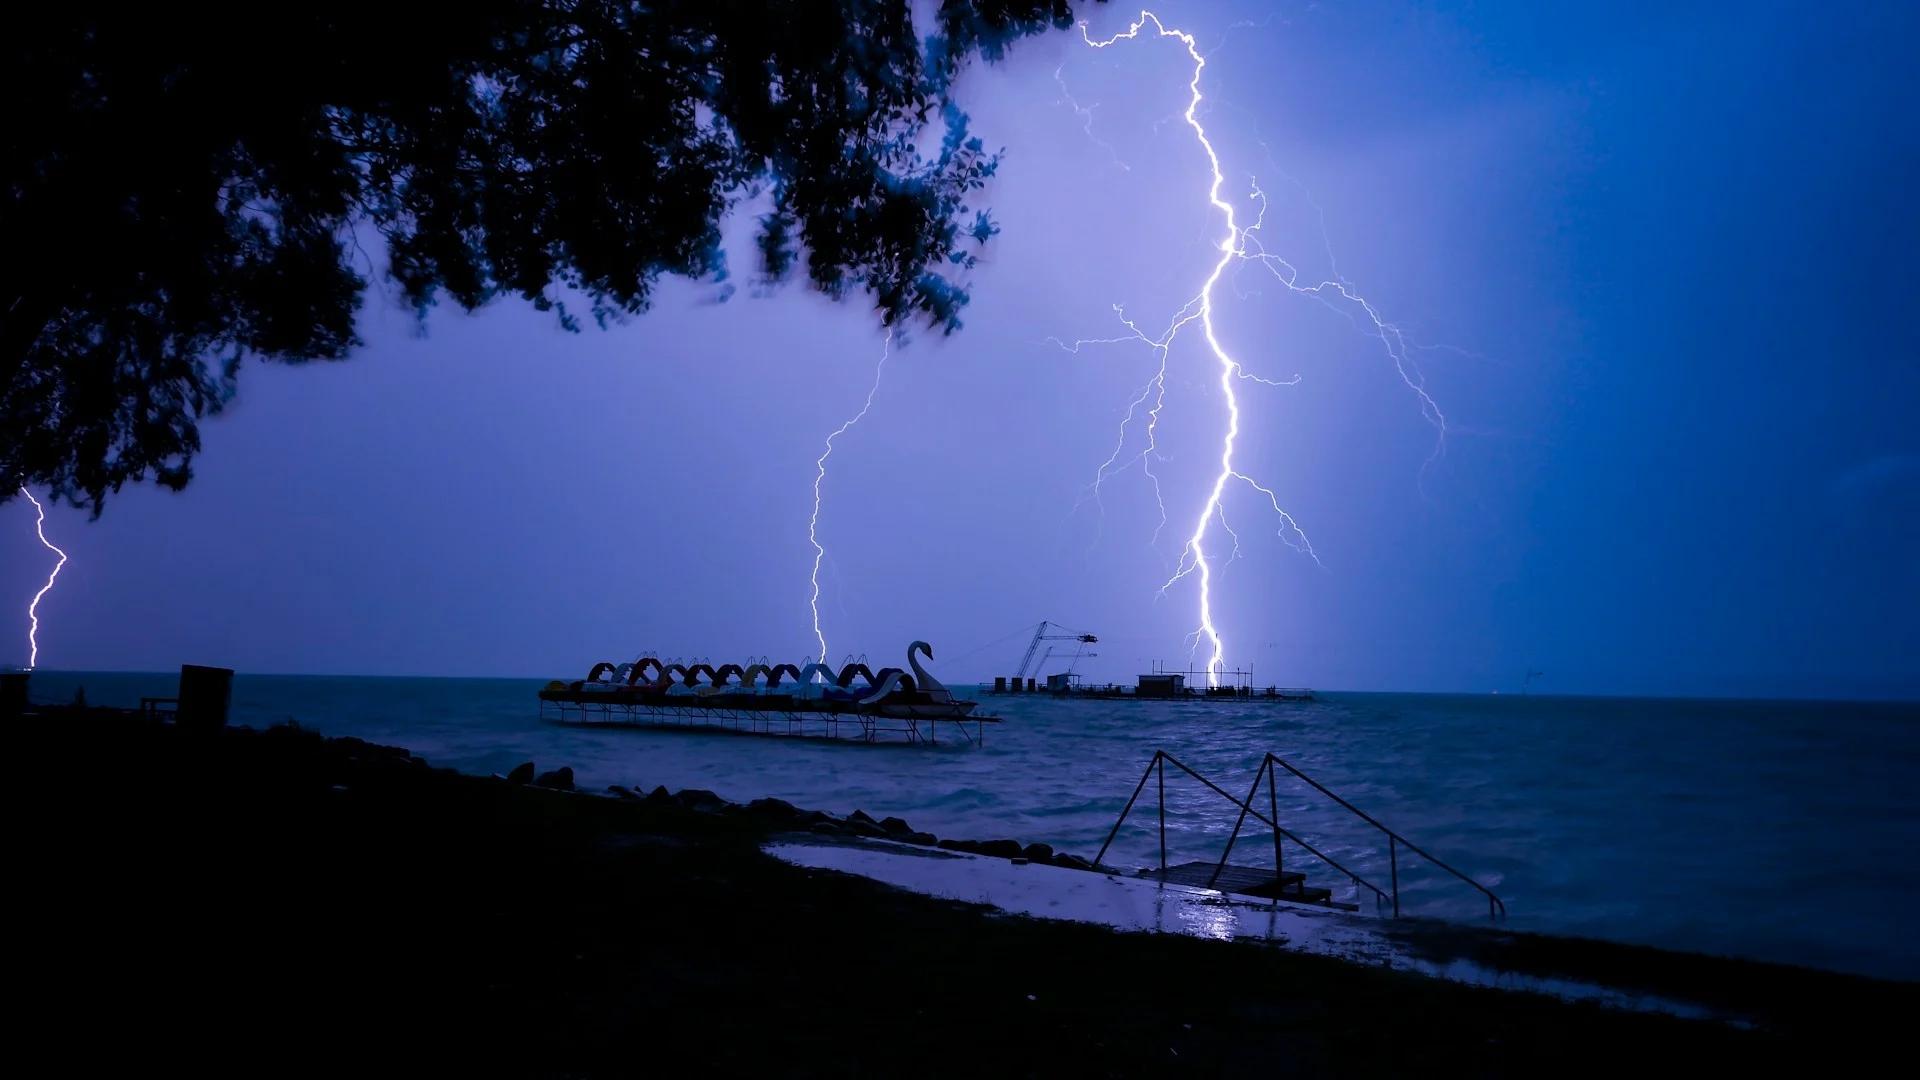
[1155, 388]
[33, 609]
[819, 477]
[1238, 245]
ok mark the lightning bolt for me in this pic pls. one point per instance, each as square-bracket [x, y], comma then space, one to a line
[1238, 247]
[819, 477]
[33, 609]
[1392, 338]
[1156, 388]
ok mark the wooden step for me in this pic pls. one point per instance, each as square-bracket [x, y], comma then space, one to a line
[1244, 880]
[1248, 881]
[1304, 894]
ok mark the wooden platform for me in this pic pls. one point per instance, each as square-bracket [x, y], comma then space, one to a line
[763, 716]
[1244, 881]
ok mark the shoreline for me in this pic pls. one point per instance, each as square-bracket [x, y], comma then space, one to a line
[316, 883]
[1864, 698]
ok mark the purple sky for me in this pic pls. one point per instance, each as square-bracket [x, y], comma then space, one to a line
[1672, 247]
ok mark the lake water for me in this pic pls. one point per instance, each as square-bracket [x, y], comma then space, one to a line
[1780, 831]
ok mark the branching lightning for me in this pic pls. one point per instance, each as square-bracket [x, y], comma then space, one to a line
[819, 477]
[33, 609]
[1155, 388]
[1238, 247]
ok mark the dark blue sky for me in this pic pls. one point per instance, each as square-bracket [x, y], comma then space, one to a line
[1672, 245]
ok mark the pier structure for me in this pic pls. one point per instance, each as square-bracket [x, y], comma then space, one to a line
[813, 700]
[1162, 684]
[1278, 883]
[758, 714]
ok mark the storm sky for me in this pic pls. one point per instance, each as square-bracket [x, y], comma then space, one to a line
[1662, 255]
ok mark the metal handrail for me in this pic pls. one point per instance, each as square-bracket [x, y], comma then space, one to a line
[1496, 908]
[1393, 839]
[1160, 757]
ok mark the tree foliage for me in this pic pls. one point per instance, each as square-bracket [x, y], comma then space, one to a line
[187, 184]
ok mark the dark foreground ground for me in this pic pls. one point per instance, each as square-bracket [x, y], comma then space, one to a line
[263, 902]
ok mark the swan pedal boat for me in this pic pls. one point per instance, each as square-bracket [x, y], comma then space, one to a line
[890, 693]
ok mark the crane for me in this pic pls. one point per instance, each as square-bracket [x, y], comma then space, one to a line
[1041, 635]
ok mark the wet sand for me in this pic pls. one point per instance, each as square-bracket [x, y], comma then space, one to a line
[272, 901]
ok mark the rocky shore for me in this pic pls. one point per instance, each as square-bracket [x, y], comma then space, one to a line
[274, 901]
[780, 813]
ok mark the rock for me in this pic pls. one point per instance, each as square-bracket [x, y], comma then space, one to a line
[971, 847]
[950, 845]
[357, 748]
[521, 774]
[700, 799]
[560, 779]
[620, 792]
[773, 809]
[861, 815]
[1002, 849]
[660, 795]
[1071, 862]
[1020, 862]
[864, 828]
[822, 815]
[827, 827]
[924, 839]
[894, 826]
[1040, 853]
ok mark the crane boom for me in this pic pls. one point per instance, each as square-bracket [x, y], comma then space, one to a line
[1040, 635]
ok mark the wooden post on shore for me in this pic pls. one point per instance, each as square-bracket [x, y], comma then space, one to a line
[205, 694]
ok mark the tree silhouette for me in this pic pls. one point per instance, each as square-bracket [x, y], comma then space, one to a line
[189, 185]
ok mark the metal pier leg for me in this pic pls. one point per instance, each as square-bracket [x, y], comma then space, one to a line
[1245, 808]
[1163, 819]
[1138, 788]
[1273, 811]
[1393, 863]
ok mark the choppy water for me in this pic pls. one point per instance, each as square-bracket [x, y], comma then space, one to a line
[1775, 830]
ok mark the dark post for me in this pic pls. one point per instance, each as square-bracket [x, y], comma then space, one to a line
[13, 693]
[205, 694]
[1273, 811]
[1163, 819]
[999, 684]
[1393, 863]
[1031, 684]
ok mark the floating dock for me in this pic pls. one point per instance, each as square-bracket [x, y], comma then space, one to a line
[757, 714]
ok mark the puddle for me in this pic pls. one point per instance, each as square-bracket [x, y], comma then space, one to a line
[1051, 892]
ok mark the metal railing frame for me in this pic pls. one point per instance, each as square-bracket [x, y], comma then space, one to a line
[1496, 908]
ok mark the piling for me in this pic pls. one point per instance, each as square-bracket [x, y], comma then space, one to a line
[205, 694]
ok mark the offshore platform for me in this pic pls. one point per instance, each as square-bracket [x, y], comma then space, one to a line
[1161, 684]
